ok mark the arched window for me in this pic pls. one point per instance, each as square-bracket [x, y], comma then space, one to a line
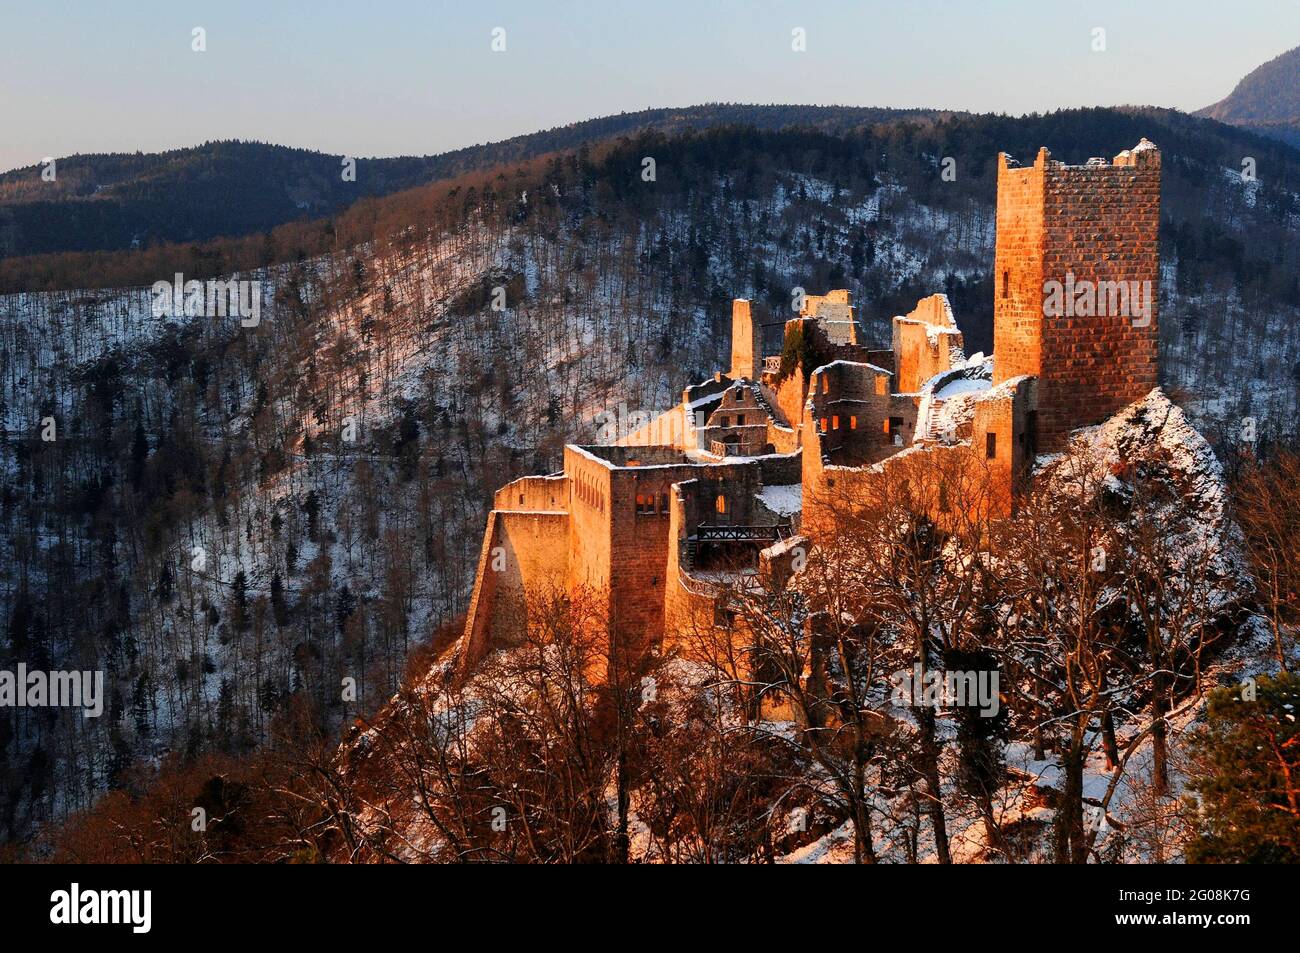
[720, 504]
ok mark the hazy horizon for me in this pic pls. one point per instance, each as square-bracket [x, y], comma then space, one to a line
[422, 79]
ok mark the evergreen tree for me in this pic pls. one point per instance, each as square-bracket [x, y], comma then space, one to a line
[1248, 754]
[279, 609]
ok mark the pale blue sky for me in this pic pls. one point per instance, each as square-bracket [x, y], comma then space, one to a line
[388, 78]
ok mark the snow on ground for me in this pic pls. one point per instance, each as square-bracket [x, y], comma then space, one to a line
[783, 499]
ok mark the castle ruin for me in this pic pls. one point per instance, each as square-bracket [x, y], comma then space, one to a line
[727, 482]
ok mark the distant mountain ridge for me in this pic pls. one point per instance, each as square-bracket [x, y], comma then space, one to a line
[1267, 100]
[107, 202]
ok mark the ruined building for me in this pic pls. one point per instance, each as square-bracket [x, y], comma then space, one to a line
[722, 484]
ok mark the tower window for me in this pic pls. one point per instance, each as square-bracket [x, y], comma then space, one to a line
[720, 504]
[853, 422]
[1006, 283]
[990, 445]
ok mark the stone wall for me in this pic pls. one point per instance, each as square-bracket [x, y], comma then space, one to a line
[1018, 269]
[688, 609]
[738, 421]
[1001, 439]
[923, 342]
[791, 392]
[850, 405]
[522, 563]
[589, 550]
[624, 552]
[671, 429]
[534, 493]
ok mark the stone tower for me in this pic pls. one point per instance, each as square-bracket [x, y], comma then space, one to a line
[1076, 277]
[747, 319]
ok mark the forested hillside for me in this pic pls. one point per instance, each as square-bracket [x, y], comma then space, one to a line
[119, 201]
[237, 557]
[1266, 100]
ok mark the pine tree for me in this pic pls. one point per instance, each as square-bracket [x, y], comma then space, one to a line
[279, 608]
[239, 610]
[1248, 754]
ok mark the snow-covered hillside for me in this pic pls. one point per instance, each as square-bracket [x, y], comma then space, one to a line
[249, 516]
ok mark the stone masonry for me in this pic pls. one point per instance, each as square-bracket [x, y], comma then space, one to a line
[720, 490]
[1092, 229]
